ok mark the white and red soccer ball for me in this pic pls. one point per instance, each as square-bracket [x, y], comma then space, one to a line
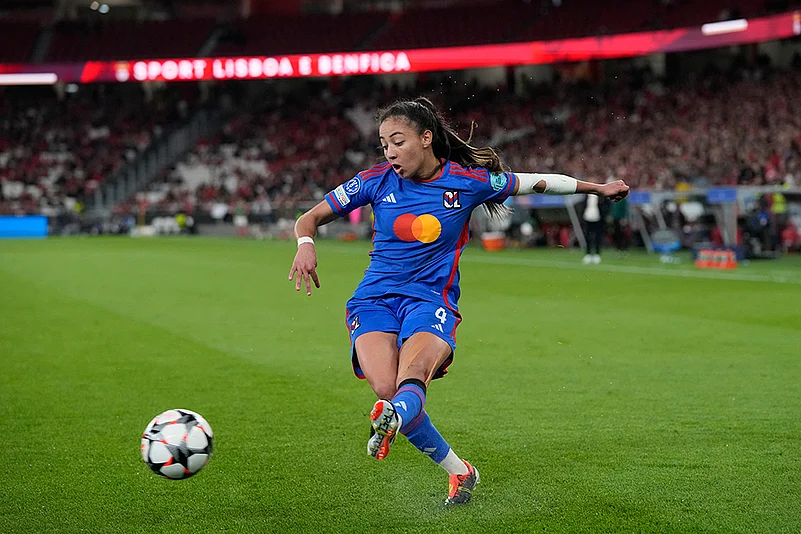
[177, 444]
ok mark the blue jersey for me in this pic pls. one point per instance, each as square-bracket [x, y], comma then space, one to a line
[420, 228]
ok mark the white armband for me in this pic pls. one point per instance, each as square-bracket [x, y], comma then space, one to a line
[305, 239]
[555, 184]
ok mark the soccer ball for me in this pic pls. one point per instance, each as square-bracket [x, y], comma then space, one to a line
[177, 444]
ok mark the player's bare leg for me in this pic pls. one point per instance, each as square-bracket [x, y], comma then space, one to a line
[378, 358]
[420, 357]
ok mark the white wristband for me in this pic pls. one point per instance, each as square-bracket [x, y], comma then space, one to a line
[305, 239]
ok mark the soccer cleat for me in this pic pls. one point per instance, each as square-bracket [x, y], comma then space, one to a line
[461, 486]
[385, 425]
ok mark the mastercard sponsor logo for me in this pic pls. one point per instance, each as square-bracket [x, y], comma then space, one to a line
[424, 228]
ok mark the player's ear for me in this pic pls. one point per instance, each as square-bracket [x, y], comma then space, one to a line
[428, 138]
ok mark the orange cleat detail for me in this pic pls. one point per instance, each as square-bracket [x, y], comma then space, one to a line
[385, 424]
[460, 487]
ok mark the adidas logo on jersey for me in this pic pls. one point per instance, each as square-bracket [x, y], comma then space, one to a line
[390, 198]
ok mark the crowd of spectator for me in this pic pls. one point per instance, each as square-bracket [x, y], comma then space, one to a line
[57, 147]
[289, 150]
[708, 130]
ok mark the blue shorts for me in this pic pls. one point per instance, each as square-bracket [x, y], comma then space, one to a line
[403, 316]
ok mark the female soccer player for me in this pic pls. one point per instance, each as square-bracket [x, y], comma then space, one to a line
[403, 316]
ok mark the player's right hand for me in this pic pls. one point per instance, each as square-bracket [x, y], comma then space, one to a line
[615, 191]
[305, 266]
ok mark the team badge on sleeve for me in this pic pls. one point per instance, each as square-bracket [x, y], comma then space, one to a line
[353, 186]
[498, 180]
[450, 200]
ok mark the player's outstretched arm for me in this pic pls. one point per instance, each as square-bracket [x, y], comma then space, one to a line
[559, 184]
[305, 263]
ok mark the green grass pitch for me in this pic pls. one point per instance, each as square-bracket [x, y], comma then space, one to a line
[630, 396]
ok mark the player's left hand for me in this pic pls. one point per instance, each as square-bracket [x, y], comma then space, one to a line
[305, 266]
[614, 191]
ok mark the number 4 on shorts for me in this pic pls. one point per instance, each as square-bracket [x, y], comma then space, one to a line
[442, 315]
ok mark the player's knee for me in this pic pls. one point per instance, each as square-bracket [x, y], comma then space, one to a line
[385, 390]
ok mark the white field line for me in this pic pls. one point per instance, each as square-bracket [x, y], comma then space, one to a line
[635, 269]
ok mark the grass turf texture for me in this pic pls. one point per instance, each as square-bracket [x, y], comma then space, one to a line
[629, 396]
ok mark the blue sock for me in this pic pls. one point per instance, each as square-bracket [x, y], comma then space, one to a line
[409, 402]
[427, 439]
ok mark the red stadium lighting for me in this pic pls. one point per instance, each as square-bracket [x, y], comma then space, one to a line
[712, 35]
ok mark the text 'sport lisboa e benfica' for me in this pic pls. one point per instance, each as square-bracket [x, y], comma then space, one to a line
[263, 67]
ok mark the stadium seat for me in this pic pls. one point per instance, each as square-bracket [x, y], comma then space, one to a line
[81, 40]
[17, 40]
[263, 36]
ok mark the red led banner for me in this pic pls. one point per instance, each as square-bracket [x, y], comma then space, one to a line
[711, 35]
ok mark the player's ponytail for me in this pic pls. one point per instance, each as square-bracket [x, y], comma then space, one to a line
[446, 143]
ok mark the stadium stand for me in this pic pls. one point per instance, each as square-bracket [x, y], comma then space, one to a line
[290, 150]
[499, 22]
[17, 40]
[461, 25]
[110, 40]
[298, 35]
[55, 152]
[457, 26]
[710, 131]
